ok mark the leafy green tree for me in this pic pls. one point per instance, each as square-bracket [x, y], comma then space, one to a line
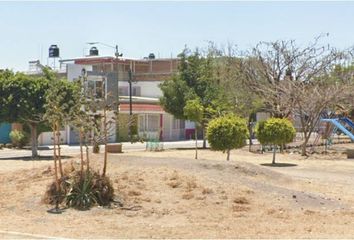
[275, 131]
[194, 112]
[61, 96]
[195, 78]
[22, 100]
[237, 94]
[226, 133]
[83, 122]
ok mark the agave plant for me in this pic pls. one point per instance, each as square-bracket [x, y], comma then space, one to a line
[81, 195]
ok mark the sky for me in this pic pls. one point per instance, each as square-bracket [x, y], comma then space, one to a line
[164, 28]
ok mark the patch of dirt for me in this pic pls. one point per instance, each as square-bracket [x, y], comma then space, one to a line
[169, 194]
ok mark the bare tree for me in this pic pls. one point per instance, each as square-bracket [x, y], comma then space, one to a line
[308, 101]
[295, 81]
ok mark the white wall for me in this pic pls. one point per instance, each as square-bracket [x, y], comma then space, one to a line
[189, 124]
[147, 88]
[46, 138]
[74, 70]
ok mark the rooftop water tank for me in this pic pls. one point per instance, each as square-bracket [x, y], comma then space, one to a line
[53, 51]
[93, 51]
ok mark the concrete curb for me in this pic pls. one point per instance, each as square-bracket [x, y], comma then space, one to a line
[17, 235]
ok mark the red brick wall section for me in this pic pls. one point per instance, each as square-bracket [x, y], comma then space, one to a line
[151, 77]
[161, 66]
[158, 69]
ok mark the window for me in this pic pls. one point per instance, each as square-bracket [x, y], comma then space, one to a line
[99, 89]
[123, 91]
[153, 123]
[136, 91]
[141, 123]
[149, 123]
[96, 86]
[178, 124]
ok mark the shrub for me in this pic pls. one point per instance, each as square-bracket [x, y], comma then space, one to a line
[103, 189]
[18, 138]
[275, 131]
[226, 133]
[81, 195]
[81, 191]
[53, 196]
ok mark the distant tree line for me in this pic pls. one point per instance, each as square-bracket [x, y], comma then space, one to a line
[283, 78]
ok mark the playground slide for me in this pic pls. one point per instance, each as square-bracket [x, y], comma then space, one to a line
[348, 121]
[339, 126]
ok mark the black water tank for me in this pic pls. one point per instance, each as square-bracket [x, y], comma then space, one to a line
[93, 51]
[151, 56]
[53, 51]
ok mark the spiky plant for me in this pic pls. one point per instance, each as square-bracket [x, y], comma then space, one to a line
[82, 195]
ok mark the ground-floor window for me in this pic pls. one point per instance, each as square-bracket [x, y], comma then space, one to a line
[149, 123]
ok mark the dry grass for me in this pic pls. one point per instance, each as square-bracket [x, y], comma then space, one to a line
[240, 208]
[188, 196]
[174, 180]
[191, 184]
[184, 198]
[241, 200]
[207, 191]
[134, 193]
[174, 183]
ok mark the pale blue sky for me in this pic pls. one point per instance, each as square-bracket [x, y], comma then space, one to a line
[162, 27]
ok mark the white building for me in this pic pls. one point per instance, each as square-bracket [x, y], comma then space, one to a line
[145, 75]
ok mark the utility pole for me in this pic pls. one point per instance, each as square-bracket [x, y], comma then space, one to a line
[130, 105]
[117, 55]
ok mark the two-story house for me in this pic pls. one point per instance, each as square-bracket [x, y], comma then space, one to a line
[135, 84]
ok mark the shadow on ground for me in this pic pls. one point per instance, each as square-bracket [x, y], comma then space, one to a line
[279, 165]
[29, 158]
[189, 148]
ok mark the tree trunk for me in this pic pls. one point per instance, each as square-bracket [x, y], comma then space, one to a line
[250, 138]
[274, 151]
[87, 158]
[326, 146]
[59, 153]
[228, 155]
[55, 162]
[196, 144]
[81, 155]
[105, 142]
[34, 142]
[204, 137]
[303, 147]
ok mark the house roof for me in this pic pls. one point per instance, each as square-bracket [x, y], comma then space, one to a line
[110, 59]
